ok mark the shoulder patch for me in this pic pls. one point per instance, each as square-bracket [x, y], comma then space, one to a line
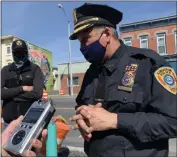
[166, 76]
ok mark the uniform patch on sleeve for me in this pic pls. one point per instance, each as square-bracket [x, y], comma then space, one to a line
[166, 76]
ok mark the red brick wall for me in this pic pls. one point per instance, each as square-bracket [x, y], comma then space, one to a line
[152, 41]
[76, 89]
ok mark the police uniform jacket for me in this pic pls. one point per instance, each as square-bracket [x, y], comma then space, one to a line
[141, 88]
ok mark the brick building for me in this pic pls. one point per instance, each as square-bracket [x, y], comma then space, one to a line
[78, 71]
[159, 35]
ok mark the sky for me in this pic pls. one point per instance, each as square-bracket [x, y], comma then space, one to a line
[45, 25]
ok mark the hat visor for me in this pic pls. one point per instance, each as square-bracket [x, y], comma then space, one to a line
[77, 30]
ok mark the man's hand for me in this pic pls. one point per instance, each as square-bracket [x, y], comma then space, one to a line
[8, 132]
[84, 123]
[99, 119]
[27, 88]
[84, 134]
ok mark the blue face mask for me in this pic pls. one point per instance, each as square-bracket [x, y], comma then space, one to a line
[94, 53]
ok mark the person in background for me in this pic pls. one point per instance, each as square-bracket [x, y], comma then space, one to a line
[127, 103]
[21, 84]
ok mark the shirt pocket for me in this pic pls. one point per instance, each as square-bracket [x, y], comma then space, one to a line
[11, 82]
[123, 101]
[26, 79]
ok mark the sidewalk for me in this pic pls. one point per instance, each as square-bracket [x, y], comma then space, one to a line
[79, 151]
[76, 152]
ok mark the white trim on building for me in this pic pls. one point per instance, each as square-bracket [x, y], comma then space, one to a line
[144, 41]
[161, 43]
[128, 41]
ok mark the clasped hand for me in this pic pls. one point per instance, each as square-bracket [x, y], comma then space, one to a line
[93, 118]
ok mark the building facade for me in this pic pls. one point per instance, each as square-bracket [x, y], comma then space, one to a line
[37, 55]
[6, 54]
[159, 35]
[78, 72]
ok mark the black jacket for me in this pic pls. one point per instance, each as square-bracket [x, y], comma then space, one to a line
[147, 115]
[15, 101]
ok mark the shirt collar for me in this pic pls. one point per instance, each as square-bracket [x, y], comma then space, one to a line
[25, 67]
[112, 63]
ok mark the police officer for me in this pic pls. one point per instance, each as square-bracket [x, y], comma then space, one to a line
[21, 83]
[127, 102]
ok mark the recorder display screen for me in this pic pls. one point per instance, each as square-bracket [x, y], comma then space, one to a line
[33, 115]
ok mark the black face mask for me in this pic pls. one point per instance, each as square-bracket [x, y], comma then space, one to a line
[20, 57]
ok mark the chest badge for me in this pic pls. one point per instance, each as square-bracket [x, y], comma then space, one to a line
[166, 76]
[127, 81]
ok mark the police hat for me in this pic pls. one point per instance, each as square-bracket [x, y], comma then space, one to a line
[19, 44]
[89, 15]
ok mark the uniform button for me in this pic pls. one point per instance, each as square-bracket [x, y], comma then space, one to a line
[30, 127]
[124, 99]
[110, 66]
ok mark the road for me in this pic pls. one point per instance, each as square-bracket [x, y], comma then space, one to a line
[65, 107]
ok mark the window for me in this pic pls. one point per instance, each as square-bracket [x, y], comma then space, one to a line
[8, 50]
[144, 41]
[128, 41]
[75, 81]
[161, 44]
[175, 32]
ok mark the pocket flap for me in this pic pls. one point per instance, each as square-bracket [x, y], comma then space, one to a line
[126, 97]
